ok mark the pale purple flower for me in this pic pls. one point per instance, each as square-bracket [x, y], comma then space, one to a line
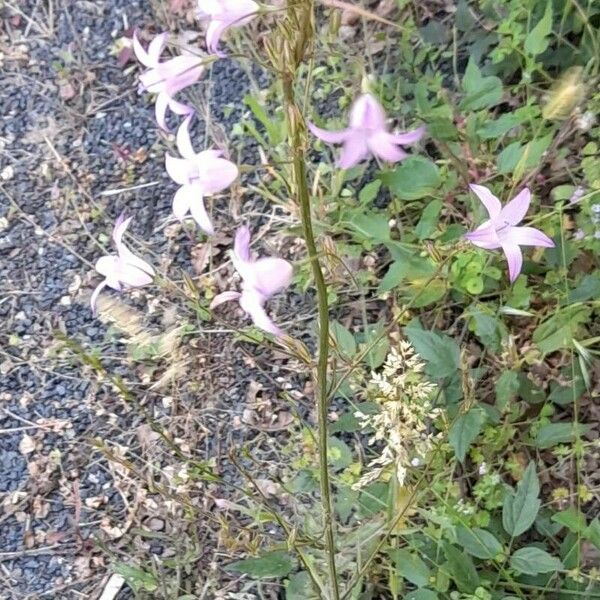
[199, 174]
[577, 195]
[501, 231]
[368, 134]
[166, 78]
[222, 15]
[261, 279]
[124, 269]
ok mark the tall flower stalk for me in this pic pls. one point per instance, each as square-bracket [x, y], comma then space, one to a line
[297, 34]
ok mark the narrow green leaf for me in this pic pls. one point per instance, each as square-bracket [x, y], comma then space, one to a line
[464, 431]
[533, 561]
[271, 564]
[369, 192]
[558, 433]
[461, 569]
[429, 220]
[521, 508]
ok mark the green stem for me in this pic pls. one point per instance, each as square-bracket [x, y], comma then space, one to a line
[296, 130]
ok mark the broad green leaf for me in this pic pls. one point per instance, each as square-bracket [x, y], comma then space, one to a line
[300, 587]
[461, 569]
[478, 542]
[345, 501]
[410, 566]
[373, 227]
[416, 177]
[369, 192]
[588, 289]
[517, 158]
[488, 328]
[421, 594]
[558, 433]
[373, 499]
[521, 507]
[344, 340]
[480, 92]
[537, 40]
[429, 220]
[494, 129]
[137, 579]
[506, 386]
[440, 351]
[533, 561]
[378, 343]
[465, 430]
[339, 454]
[592, 532]
[572, 519]
[271, 564]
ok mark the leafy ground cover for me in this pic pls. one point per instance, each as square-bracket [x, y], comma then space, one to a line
[463, 403]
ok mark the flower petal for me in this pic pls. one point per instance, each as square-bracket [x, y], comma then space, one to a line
[514, 257]
[180, 72]
[180, 109]
[224, 297]
[485, 236]
[355, 150]
[95, 294]
[121, 225]
[529, 236]
[182, 201]
[156, 47]
[491, 203]
[409, 137]
[516, 209]
[108, 266]
[331, 137]
[271, 275]
[241, 245]
[146, 58]
[215, 173]
[253, 305]
[367, 113]
[132, 276]
[160, 110]
[200, 215]
[184, 142]
[381, 144]
[180, 170]
[214, 31]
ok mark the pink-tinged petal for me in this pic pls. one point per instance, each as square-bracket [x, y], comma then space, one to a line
[180, 170]
[381, 145]
[485, 236]
[241, 245]
[180, 72]
[409, 137]
[152, 81]
[252, 304]
[160, 110]
[140, 53]
[529, 236]
[367, 113]
[156, 47]
[182, 201]
[354, 150]
[184, 142]
[514, 257]
[180, 109]
[224, 297]
[271, 275]
[214, 31]
[95, 294]
[108, 266]
[331, 137]
[131, 276]
[491, 203]
[121, 225]
[214, 173]
[200, 215]
[516, 209]
[132, 260]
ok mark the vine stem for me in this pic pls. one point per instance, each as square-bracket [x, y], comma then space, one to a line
[297, 138]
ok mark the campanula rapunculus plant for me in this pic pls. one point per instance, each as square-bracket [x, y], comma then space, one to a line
[368, 134]
[501, 231]
[223, 14]
[166, 78]
[261, 279]
[200, 174]
[124, 269]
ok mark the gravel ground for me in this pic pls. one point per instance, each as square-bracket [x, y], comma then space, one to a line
[72, 127]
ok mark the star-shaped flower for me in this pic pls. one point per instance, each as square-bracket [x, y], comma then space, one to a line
[199, 174]
[261, 279]
[368, 134]
[166, 78]
[501, 231]
[224, 14]
[124, 269]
